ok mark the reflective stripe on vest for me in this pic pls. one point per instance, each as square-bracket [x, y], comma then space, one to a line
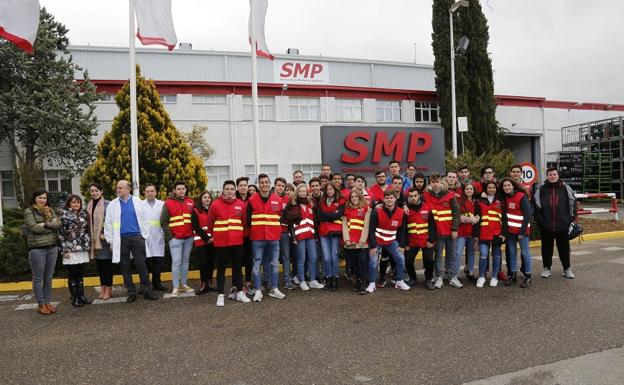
[442, 215]
[355, 224]
[306, 225]
[417, 228]
[227, 225]
[197, 237]
[265, 219]
[180, 220]
[386, 235]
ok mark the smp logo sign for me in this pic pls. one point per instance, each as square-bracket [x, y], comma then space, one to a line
[363, 150]
[300, 72]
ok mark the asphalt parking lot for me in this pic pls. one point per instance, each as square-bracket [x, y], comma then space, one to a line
[503, 335]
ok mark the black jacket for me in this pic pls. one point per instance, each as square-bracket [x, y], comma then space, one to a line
[555, 206]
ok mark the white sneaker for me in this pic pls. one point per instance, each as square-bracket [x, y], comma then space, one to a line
[258, 296]
[187, 289]
[401, 285]
[295, 280]
[304, 286]
[220, 300]
[456, 283]
[480, 282]
[316, 285]
[232, 294]
[242, 297]
[568, 273]
[438, 283]
[175, 292]
[493, 282]
[371, 287]
[275, 293]
[545, 273]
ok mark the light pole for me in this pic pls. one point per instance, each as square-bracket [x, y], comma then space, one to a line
[454, 7]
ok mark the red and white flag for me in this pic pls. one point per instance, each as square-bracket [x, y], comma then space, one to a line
[260, 10]
[19, 21]
[155, 23]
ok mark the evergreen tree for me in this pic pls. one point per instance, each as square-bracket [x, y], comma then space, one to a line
[45, 115]
[164, 154]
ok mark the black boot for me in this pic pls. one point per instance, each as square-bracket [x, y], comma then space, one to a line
[334, 281]
[511, 278]
[73, 291]
[203, 289]
[81, 294]
[527, 281]
[356, 285]
[328, 283]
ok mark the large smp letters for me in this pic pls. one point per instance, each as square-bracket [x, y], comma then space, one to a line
[402, 147]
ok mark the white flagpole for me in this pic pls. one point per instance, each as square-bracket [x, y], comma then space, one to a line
[134, 136]
[254, 89]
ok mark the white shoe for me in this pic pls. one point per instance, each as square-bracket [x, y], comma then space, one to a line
[175, 292]
[438, 283]
[455, 283]
[276, 293]
[220, 300]
[401, 285]
[232, 294]
[304, 286]
[295, 280]
[480, 282]
[568, 273]
[258, 296]
[316, 285]
[545, 273]
[493, 282]
[242, 297]
[187, 289]
[371, 287]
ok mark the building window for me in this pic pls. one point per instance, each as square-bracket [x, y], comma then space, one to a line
[216, 176]
[427, 112]
[309, 170]
[349, 110]
[388, 111]
[266, 108]
[169, 99]
[58, 181]
[106, 98]
[8, 185]
[269, 169]
[304, 109]
[209, 99]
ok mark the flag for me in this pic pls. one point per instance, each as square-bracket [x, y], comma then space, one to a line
[260, 10]
[155, 23]
[19, 21]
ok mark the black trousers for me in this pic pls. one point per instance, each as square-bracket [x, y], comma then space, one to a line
[206, 256]
[135, 245]
[247, 261]
[105, 270]
[233, 254]
[75, 272]
[359, 262]
[154, 266]
[428, 264]
[563, 247]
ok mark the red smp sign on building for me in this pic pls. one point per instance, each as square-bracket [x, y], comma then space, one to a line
[363, 150]
[300, 72]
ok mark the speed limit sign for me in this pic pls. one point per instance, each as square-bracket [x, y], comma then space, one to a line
[529, 173]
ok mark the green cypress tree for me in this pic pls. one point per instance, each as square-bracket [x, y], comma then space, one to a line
[164, 154]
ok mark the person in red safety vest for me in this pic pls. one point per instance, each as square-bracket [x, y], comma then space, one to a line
[421, 234]
[517, 210]
[355, 225]
[489, 233]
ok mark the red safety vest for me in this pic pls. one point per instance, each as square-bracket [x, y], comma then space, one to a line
[418, 226]
[491, 215]
[515, 215]
[325, 228]
[265, 218]
[202, 219]
[227, 220]
[180, 217]
[386, 231]
[355, 222]
[305, 228]
[442, 212]
[467, 209]
[377, 193]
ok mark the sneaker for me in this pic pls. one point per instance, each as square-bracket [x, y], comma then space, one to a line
[371, 287]
[304, 286]
[438, 283]
[220, 300]
[455, 283]
[187, 289]
[347, 276]
[381, 283]
[493, 282]
[316, 285]
[276, 293]
[175, 292]
[232, 294]
[362, 289]
[242, 297]
[289, 286]
[480, 281]
[295, 280]
[568, 273]
[527, 282]
[429, 285]
[546, 273]
[258, 296]
[401, 285]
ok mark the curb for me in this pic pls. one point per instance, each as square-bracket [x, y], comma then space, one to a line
[59, 283]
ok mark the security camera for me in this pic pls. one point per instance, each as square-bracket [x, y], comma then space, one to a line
[284, 87]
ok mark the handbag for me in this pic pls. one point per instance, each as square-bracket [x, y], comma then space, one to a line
[574, 230]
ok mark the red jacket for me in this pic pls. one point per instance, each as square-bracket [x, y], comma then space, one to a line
[180, 217]
[355, 222]
[329, 217]
[265, 218]
[202, 221]
[226, 221]
[491, 214]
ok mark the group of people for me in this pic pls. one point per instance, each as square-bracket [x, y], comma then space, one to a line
[306, 227]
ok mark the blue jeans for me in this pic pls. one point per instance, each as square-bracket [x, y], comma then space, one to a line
[512, 242]
[329, 245]
[399, 259]
[265, 251]
[449, 263]
[484, 248]
[285, 255]
[302, 246]
[180, 257]
[468, 244]
[42, 263]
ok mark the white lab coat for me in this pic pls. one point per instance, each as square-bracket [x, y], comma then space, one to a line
[155, 244]
[112, 224]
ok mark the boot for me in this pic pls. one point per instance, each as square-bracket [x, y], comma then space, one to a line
[356, 285]
[203, 289]
[328, 283]
[73, 291]
[334, 282]
[527, 281]
[81, 294]
[511, 278]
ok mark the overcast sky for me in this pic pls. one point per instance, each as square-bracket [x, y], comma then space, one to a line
[559, 49]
